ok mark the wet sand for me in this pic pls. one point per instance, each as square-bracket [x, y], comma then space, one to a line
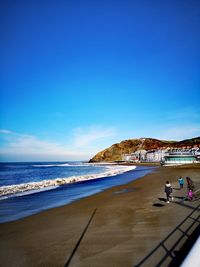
[130, 220]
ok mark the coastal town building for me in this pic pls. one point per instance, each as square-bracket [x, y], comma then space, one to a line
[166, 156]
[137, 156]
[155, 155]
[179, 158]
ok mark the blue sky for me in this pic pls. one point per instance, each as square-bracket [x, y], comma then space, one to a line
[77, 76]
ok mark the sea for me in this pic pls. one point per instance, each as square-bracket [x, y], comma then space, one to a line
[30, 188]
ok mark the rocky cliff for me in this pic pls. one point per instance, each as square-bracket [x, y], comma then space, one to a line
[116, 151]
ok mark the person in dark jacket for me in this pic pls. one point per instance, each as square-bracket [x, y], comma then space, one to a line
[168, 190]
[190, 184]
[190, 188]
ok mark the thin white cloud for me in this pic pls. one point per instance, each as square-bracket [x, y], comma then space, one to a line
[87, 136]
[179, 133]
[30, 147]
[84, 144]
[4, 131]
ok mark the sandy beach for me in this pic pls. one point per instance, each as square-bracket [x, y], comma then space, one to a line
[127, 222]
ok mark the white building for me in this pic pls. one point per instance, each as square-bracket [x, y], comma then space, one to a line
[165, 156]
[155, 155]
[136, 156]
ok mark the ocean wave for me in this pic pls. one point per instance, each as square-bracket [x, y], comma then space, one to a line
[74, 164]
[29, 188]
[29, 192]
[65, 165]
[51, 165]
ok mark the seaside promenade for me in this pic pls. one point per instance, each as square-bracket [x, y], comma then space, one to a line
[114, 228]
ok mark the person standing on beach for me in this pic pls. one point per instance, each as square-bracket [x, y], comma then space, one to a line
[168, 190]
[190, 184]
[190, 195]
[181, 182]
[190, 187]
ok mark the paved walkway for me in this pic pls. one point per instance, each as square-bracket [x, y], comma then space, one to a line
[177, 244]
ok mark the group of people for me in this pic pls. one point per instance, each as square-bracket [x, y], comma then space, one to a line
[190, 188]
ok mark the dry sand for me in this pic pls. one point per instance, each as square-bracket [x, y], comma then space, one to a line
[130, 220]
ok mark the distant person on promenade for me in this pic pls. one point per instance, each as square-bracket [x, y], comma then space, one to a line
[190, 184]
[190, 195]
[181, 182]
[190, 188]
[168, 191]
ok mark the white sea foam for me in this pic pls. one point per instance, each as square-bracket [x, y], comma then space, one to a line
[51, 165]
[67, 165]
[29, 188]
[29, 192]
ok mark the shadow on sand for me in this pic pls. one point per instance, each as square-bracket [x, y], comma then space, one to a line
[175, 188]
[170, 244]
[158, 205]
[162, 199]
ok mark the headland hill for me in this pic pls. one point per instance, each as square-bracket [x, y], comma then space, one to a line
[118, 152]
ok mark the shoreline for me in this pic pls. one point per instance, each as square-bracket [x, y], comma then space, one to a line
[33, 202]
[126, 226]
[12, 190]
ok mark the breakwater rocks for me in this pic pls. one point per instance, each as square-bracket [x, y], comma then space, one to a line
[10, 190]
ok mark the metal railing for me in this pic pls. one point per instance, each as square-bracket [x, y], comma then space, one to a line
[170, 252]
